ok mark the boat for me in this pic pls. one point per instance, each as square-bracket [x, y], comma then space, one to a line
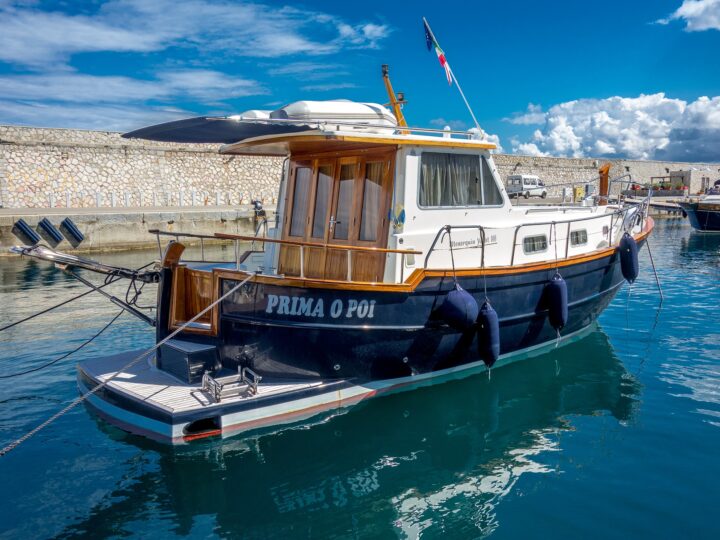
[704, 213]
[395, 260]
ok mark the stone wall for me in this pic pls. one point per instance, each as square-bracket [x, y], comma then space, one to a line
[42, 167]
[84, 169]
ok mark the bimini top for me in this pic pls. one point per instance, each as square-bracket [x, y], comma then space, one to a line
[306, 126]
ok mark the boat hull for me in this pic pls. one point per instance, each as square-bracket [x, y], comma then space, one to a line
[400, 333]
[121, 408]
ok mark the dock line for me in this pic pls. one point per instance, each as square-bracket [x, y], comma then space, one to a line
[77, 401]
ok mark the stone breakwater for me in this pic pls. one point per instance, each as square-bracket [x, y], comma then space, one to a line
[61, 168]
[64, 168]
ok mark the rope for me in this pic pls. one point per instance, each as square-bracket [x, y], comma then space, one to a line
[80, 399]
[64, 356]
[108, 280]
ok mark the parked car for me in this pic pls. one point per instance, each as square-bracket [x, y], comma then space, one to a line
[526, 185]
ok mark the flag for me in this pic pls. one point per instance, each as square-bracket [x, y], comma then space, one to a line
[430, 41]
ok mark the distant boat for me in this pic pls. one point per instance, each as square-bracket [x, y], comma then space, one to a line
[704, 214]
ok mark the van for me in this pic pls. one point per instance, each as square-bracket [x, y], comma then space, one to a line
[526, 185]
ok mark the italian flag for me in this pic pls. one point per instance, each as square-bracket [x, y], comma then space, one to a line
[432, 42]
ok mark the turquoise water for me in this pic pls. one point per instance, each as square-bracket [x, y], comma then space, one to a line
[616, 435]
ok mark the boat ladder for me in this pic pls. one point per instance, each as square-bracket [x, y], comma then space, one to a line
[245, 381]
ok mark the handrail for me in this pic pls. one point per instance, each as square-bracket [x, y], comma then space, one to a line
[448, 228]
[226, 236]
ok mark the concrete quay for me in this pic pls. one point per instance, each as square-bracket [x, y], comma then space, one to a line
[111, 229]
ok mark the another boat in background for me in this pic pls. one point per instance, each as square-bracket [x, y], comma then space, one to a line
[704, 214]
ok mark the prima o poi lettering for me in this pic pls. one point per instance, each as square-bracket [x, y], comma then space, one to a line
[315, 307]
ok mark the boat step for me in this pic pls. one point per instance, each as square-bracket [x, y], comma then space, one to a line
[244, 382]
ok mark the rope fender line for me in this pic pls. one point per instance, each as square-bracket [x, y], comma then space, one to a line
[67, 354]
[110, 279]
[80, 399]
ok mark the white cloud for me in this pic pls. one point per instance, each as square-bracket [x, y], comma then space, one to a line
[698, 15]
[34, 38]
[308, 71]
[645, 127]
[104, 117]
[533, 115]
[52, 99]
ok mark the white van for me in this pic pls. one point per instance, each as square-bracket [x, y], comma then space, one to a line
[526, 185]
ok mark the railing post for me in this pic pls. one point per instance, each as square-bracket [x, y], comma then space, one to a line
[302, 261]
[237, 255]
[202, 249]
[349, 265]
[567, 241]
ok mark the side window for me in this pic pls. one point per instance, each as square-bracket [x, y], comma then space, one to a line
[578, 238]
[490, 193]
[448, 180]
[534, 244]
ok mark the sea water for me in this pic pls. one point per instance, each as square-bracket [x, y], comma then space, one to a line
[616, 435]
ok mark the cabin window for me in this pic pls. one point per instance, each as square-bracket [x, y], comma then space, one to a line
[534, 244]
[456, 180]
[341, 223]
[301, 194]
[372, 202]
[578, 238]
[322, 200]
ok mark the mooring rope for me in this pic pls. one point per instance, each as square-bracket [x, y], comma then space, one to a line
[65, 302]
[64, 356]
[80, 399]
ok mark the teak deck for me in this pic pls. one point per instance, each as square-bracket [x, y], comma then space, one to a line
[163, 391]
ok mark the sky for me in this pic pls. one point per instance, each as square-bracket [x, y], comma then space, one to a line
[633, 79]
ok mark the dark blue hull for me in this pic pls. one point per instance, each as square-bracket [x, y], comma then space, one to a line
[703, 217]
[319, 333]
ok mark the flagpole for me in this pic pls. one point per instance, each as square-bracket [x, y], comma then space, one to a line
[457, 83]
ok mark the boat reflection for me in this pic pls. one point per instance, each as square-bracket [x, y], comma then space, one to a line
[435, 459]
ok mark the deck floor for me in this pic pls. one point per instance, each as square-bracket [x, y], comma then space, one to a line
[160, 389]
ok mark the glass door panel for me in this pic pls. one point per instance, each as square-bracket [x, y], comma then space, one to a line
[343, 206]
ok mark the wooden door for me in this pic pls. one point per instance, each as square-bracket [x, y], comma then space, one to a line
[319, 223]
[297, 204]
[337, 201]
[341, 225]
[374, 196]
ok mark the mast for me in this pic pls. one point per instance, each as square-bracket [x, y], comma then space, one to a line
[396, 102]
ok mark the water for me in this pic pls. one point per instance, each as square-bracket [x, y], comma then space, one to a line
[613, 436]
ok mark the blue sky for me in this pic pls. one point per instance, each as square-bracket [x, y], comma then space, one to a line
[618, 79]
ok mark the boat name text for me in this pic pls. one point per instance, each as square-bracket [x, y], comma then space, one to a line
[315, 307]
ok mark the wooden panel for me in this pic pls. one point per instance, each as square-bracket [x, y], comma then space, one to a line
[192, 292]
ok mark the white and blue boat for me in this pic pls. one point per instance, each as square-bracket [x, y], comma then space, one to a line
[396, 259]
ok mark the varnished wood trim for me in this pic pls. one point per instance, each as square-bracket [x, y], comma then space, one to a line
[175, 299]
[419, 274]
[226, 236]
[173, 252]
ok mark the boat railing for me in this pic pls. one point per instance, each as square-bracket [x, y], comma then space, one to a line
[237, 239]
[303, 245]
[552, 225]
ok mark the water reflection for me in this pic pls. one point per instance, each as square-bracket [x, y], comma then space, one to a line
[431, 460]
